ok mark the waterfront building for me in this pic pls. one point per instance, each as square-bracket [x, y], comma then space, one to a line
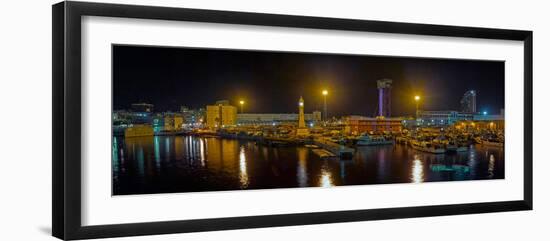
[356, 125]
[315, 116]
[221, 114]
[142, 107]
[409, 122]
[302, 130]
[487, 117]
[168, 122]
[481, 124]
[192, 116]
[123, 117]
[275, 118]
[449, 118]
[442, 118]
[468, 102]
[484, 121]
[384, 97]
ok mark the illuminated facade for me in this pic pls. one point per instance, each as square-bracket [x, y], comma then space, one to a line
[221, 114]
[128, 117]
[274, 118]
[442, 118]
[484, 121]
[168, 122]
[497, 124]
[356, 125]
[192, 116]
[468, 102]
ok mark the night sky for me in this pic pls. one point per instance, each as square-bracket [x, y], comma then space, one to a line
[272, 82]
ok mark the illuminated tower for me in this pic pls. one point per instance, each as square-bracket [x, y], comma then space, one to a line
[384, 97]
[468, 102]
[302, 129]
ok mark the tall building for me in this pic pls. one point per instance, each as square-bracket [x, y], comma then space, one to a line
[384, 97]
[468, 102]
[302, 129]
[221, 114]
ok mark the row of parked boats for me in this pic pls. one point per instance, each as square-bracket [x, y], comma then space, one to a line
[436, 143]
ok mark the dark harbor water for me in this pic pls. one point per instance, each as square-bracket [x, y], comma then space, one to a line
[167, 164]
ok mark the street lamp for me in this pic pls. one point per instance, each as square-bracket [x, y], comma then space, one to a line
[241, 103]
[417, 99]
[325, 93]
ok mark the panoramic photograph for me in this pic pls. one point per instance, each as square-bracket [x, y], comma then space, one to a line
[204, 119]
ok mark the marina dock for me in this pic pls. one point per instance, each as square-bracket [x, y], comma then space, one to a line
[334, 148]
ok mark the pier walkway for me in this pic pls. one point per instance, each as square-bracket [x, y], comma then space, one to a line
[335, 148]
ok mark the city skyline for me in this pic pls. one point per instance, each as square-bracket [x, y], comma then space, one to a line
[161, 76]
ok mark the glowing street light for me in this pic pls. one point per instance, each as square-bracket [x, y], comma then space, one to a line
[241, 102]
[416, 99]
[325, 93]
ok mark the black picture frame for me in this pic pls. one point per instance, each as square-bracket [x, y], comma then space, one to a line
[66, 127]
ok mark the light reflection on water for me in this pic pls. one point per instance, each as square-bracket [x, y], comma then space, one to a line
[242, 169]
[301, 174]
[326, 179]
[417, 172]
[187, 164]
[491, 165]
[157, 151]
[202, 152]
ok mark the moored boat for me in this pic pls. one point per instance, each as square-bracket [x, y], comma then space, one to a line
[401, 140]
[492, 143]
[428, 147]
[368, 140]
[451, 146]
[461, 149]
